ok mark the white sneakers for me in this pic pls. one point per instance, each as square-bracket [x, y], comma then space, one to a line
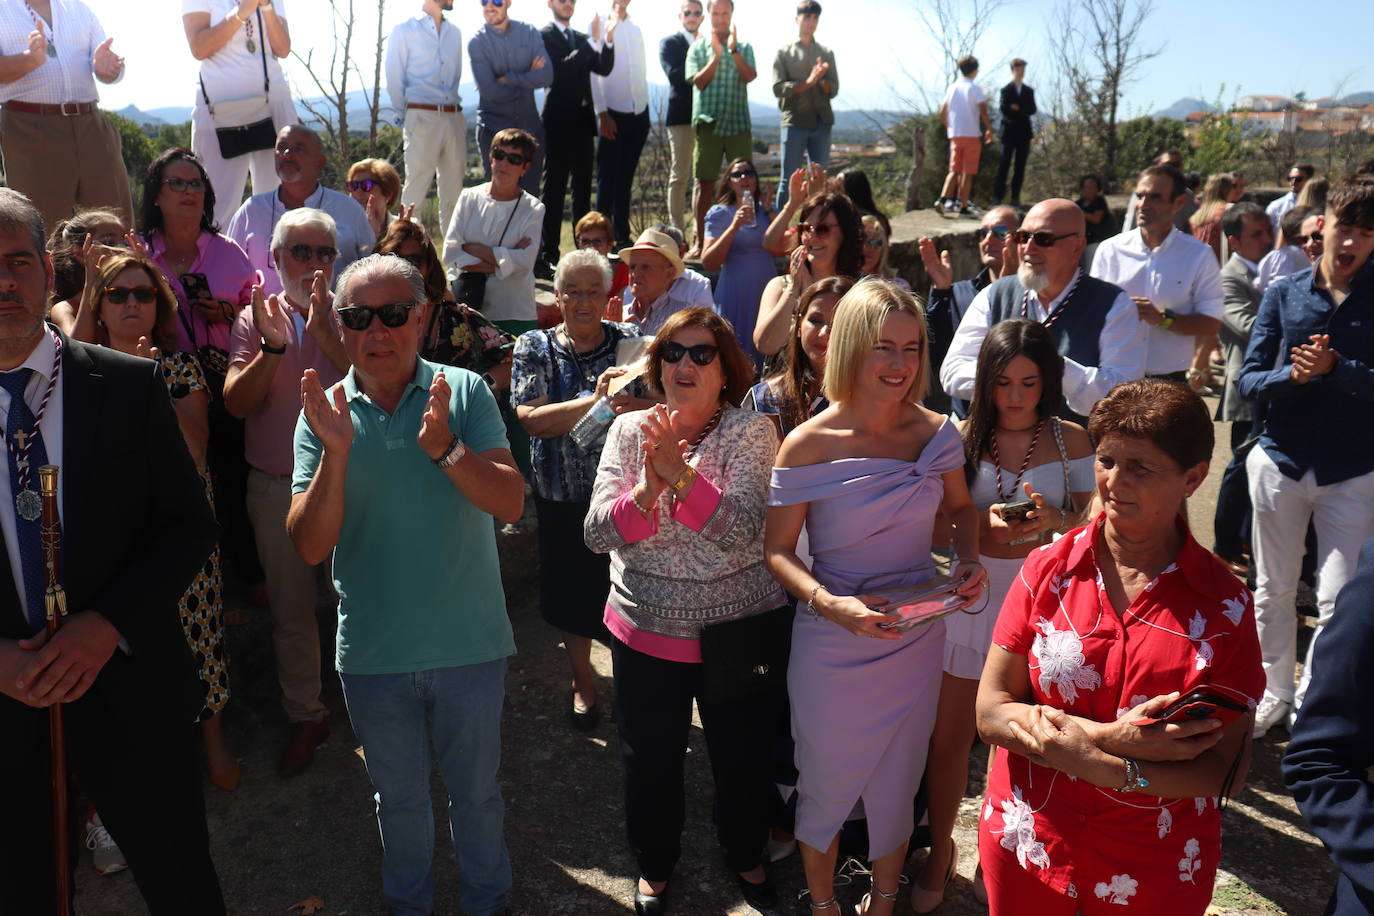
[105, 854]
[1270, 712]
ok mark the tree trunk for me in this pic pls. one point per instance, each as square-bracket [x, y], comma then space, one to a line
[918, 163]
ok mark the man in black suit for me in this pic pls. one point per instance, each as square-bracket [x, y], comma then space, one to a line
[569, 119]
[135, 528]
[1018, 107]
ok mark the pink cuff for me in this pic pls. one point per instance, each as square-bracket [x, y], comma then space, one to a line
[632, 524]
[696, 510]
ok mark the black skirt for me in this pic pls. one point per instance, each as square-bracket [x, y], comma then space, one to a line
[574, 583]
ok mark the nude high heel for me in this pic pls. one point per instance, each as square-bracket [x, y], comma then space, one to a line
[924, 901]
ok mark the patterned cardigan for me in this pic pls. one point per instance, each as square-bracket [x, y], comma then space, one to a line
[677, 580]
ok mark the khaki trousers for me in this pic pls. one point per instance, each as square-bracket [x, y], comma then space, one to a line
[62, 163]
[681, 141]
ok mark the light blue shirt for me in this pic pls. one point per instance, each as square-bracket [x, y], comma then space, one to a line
[509, 54]
[1278, 207]
[422, 65]
[252, 228]
[691, 290]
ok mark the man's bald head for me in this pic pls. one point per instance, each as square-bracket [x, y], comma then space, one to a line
[1048, 268]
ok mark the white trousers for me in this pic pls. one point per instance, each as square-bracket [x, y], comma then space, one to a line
[228, 176]
[436, 143]
[1343, 515]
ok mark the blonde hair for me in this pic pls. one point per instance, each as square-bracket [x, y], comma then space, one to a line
[1214, 202]
[858, 325]
[876, 225]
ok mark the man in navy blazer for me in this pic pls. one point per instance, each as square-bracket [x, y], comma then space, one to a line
[1018, 107]
[1327, 767]
[135, 529]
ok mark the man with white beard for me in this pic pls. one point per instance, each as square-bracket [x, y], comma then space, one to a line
[1093, 322]
[272, 345]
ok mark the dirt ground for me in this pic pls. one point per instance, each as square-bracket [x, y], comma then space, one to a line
[278, 841]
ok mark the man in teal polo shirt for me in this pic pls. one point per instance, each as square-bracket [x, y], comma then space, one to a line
[399, 469]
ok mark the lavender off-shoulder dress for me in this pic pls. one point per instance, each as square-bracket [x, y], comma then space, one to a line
[863, 708]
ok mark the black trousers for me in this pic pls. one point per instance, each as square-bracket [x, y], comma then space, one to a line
[571, 148]
[1234, 513]
[653, 700]
[135, 759]
[1021, 149]
[616, 161]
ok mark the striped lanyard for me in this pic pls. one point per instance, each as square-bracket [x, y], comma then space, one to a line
[1052, 317]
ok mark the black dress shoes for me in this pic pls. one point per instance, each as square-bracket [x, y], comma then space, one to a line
[761, 896]
[649, 904]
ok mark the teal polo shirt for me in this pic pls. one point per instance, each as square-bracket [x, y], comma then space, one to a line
[416, 567]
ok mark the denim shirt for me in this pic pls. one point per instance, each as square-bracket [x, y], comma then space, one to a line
[1326, 425]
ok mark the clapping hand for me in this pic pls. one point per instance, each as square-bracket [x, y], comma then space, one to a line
[407, 213]
[818, 71]
[146, 350]
[938, 266]
[321, 302]
[435, 436]
[136, 244]
[1011, 257]
[594, 31]
[270, 319]
[37, 48]
[328, 418]
[662, 445]
[1312, 359]
[106, 64]
[734, 38]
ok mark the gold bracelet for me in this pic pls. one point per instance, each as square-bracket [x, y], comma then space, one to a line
[685, 479]
[235, 14]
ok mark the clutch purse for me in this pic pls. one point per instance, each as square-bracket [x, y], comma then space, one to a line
[919, 603]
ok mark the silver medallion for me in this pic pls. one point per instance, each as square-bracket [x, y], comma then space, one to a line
[29, 505]
[52, 48]
[252, 46]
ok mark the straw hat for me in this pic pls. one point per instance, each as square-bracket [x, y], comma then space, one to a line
[661, 243]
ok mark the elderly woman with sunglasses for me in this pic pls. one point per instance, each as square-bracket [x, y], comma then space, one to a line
[678, 504]
[134, 311]
[735, 226]
[376, 186]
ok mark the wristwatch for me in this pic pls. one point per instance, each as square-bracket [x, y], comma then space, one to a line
[1169, 317]
[452, 455]
[268, 348]
[688, 474]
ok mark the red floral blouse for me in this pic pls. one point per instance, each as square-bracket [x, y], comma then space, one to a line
[1192, 626]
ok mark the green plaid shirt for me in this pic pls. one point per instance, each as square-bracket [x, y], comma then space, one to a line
[724, 102]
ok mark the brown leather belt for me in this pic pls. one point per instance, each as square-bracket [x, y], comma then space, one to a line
[442, 109]
[66, 109]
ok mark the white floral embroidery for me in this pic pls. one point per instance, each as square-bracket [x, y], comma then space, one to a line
[1136, 700]
[1165, 822]
[1062, 663]
[1056, 583]
[1197, 632]
[1072, 892]
[1118, 891]
[1164, 572]
[1234, 608]
[1018, 832]
[1200, 803]
[1189, 864]
[987, 811]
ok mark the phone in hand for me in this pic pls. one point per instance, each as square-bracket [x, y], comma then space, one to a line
[1201, 703]
[1017, 511]
[197, 286]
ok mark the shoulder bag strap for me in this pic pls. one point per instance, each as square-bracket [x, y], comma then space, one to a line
[262, 48]
[1063, 463]
[510, 219]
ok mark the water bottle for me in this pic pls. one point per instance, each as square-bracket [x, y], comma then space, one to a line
[593, 424]
[747, 199]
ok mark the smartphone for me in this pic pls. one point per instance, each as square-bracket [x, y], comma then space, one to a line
[197, 286]
[1016, 512]
[1201, 703]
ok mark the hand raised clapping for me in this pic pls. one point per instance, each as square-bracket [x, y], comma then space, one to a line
[328, 417]
[270, 319]
[435, 436]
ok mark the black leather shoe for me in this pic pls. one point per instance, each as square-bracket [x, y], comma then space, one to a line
[648, 904]
[762, 896]
[585, 720]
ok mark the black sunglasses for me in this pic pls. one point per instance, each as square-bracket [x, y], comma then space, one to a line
[120, 294]
[362, 184]
[304, 253]
[359, 317]
[1043, 239]
[1000, 231]
[817, 229]
[501, 155]
[1315, 236]
[743, 173]
[194, 185]
[702, 354]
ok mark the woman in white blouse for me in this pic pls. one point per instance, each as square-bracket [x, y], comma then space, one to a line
[239, 44]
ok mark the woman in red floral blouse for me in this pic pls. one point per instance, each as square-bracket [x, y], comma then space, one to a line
[1086, 811]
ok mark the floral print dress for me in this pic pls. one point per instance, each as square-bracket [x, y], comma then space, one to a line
[1192, 626]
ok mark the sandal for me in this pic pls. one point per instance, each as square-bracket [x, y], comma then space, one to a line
[862, 908]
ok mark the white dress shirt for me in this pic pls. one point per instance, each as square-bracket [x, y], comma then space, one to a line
[1278, 207]
[1280, 263]
[1180, 274]
[69, 77]
[626, 89]
[477, 217]
[1120, 346]
[40, 361]
[423, 65]
[254, 222]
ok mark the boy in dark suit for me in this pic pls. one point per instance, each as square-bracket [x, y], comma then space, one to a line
[1017, 107]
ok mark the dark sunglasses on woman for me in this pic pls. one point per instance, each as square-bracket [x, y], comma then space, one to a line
[362, 184]
[702, 354]
[120, 294]
[501, 155]
[820, 230]
[359, 317]
[743, 173]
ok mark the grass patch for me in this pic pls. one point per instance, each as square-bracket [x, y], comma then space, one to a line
[1235, 897]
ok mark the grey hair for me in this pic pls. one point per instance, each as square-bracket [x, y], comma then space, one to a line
[304, 216]
[581, 259]
[673, 232]
[18, 212]
[377, 267]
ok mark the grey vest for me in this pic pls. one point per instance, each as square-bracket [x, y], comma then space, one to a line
[1078, 329]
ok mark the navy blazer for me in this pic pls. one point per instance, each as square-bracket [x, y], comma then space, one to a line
[672, 54]
[1327, 767]
[568, 101]
[1016, 125]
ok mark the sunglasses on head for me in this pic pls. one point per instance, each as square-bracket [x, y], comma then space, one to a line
[1000, 231]
[501, 155]
[362, 184]
[359, 317]
[743, 173]
[194, 185]
[120, 294]
[1315, 236]
[818, 229]
[1043, 239]
[304, 253]
[702, 354]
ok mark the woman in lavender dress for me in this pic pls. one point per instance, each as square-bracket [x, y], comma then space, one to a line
[866, 476]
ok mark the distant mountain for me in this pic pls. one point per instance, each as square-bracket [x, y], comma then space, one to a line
[141, 118]
[1182, 108]
[176, 114]
[1358, 98]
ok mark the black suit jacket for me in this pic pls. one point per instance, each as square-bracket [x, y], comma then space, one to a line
[136, 527]
[568, 103]
[672, 55]
[1016, 125]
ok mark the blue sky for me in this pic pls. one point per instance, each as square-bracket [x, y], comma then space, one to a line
[884, 56]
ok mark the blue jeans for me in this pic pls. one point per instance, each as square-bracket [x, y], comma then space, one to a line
[461, 707]
[813, 141]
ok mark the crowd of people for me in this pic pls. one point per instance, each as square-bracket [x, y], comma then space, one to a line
[777, 495]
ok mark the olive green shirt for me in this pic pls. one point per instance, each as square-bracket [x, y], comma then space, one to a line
[790, 69]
